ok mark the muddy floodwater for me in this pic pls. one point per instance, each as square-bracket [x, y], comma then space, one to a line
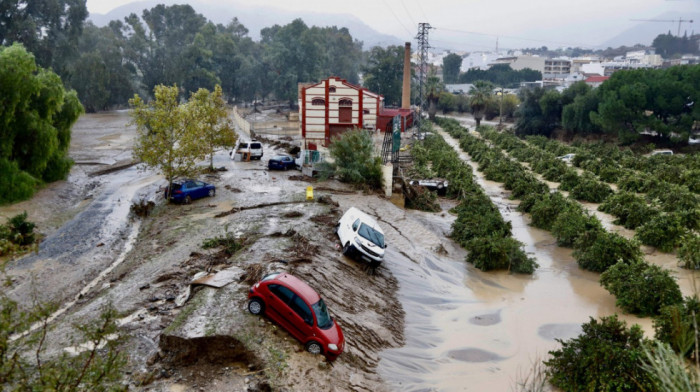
[463, 329]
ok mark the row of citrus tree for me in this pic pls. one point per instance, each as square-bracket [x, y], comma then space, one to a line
[667, 217]
[479, 226]
[639, 287]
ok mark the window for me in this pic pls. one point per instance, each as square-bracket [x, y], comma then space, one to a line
[324, 318]
[302, 309]
[365, 111]
[318, 102]
[282, 293]
[331, 89]
[345, 102]
[355, 225]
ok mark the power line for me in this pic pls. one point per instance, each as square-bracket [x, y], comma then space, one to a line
[397, 18]
[407, 13]
[570, 44]
[421, 10]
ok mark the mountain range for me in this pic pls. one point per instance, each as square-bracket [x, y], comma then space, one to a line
[255, 18]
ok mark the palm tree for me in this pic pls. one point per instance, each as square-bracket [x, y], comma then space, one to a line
[433, 88]
[479, 97]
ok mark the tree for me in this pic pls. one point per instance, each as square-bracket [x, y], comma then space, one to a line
[501, 75]
[383, 73]
[168, 137]
[98, 368]
[49, 29]
[355, 159]
[36, 116]
[530, 119]
[450, 68]
[479, 97]
[607, 356]
[433, 88]
[650, 100]
[210, 113]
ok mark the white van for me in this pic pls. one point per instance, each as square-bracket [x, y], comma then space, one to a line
[361, 236]
[247, 151]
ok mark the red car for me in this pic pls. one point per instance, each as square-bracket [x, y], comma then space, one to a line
[296, 307]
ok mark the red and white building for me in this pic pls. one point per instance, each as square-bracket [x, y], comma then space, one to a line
[334, 105]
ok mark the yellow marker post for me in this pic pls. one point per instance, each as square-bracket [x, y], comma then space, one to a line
[309, 193]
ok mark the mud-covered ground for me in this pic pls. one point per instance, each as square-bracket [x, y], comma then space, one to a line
[425, 321]
[183, 337]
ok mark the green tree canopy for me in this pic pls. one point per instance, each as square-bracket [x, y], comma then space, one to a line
[450, 68]
[664, 101]
[169, 135]
[212, 116]
[36, 116]
[479, 97]
[501, 75]
[383, 73]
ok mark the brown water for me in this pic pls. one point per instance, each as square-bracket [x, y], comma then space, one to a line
[468, 330]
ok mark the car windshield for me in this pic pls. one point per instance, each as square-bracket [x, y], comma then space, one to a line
[373, 235]
[278, 158]
[243, 145]
[255, 145]
[322, 316]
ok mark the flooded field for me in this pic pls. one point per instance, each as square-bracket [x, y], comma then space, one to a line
[427, 321]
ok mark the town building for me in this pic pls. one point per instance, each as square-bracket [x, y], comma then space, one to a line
[333, 106]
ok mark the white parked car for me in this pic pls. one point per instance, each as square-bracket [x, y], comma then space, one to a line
[361, 236]
[662, 152]
[567, 158]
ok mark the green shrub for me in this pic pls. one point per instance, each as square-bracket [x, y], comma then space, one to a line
[689, 252]
[496, 253]
[355, 160]
[228, 242]
[573, 223]
[545, 211]
[663, 232]
[21, 231]
[524, 184]
[674, 325]
[630, 210]
[15, 184]
[605, 357]
[609, 174]
[641, 288]
[599, 250]
[568, 180]
[589, 189]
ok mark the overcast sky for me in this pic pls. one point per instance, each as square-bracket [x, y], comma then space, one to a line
[532, 22]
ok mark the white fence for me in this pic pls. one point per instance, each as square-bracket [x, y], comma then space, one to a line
[241, 123]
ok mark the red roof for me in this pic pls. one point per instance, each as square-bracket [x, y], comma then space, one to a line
[393, 112]
[597, 79]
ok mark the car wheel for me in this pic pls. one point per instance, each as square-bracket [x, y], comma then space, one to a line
[188, 199]
[256, 306]
[346, 249]
[314, 347]
[212, 192]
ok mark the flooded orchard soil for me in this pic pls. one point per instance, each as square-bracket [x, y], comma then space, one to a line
[426, 320]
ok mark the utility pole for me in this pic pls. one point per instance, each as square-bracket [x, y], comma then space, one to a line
[423, 47]
[500, 112]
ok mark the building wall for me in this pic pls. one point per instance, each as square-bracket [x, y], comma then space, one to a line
[528, 61]
[317, 121]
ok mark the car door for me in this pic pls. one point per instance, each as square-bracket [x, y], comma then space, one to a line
[301, 319]
[199, 189]
[278, 305]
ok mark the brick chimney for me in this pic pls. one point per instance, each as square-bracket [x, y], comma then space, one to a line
[406, 89]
